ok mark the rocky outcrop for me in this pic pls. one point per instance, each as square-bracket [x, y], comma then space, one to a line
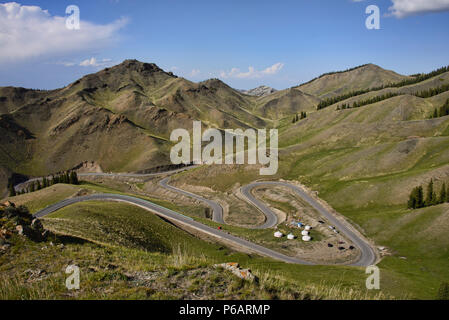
[18, 220]
[261, 91]
[234, 267]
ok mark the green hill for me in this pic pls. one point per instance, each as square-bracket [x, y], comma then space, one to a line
[125, 252]
[360, 78]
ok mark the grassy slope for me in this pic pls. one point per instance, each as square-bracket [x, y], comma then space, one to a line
[285, 103]
[374, 153]
[368, 76]
[434, 82]
[370, 153]
[153, 246]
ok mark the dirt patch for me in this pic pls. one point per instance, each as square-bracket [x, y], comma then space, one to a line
[326, 245]
[88, 167]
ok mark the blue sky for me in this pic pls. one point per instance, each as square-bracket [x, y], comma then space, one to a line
[244, 43]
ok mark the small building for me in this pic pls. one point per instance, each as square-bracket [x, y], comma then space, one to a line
[305, 233]
[306, 238]
[307, 228]
[291, 236]
[278, 234]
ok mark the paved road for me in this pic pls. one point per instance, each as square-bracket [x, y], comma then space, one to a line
[271, 218]
[136, 175]
[217, 215]
[22, 185]
[367, 257]
[178, 218]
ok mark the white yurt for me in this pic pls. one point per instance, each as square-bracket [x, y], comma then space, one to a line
[306, 238]
[307, 228]
[278, 234]
[305, 233]
[290, 237]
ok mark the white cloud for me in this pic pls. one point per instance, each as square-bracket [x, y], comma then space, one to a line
[195, 72]
[92, 62]
[404, 8]
[252, 72]
[275, 68]
[30, 31]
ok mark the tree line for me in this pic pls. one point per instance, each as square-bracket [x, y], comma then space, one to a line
[69, 177]
[417, 199]
[422, 94]
[442, 111]
[433, 91]
[298, 117]
[415, 79]
[358, 104]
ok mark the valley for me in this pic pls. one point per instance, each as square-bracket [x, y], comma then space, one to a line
[356, 164]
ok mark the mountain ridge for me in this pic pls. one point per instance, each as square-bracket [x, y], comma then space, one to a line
[95, 117]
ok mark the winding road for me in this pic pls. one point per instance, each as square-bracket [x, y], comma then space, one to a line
[176, 218]
[366, 258]
[217, 214]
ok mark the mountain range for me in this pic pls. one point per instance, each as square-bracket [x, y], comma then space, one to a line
[96, 117]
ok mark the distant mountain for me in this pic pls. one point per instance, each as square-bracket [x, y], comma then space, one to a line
[285, 102]
[261, 91]
[122, 117]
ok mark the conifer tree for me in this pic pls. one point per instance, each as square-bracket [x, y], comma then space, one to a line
[73, 178]
[447, 194]
[443, 195]
[412, 202]
[430, 199]
[420, 197]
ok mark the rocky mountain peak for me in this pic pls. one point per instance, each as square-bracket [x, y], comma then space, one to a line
[261, 91]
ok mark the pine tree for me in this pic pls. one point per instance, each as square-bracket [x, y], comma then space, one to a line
[73, 178]
[443, 195]
[412, 202]
[430, 199]
[39, 186]
[420, 197]
[435, 113]
[447, 194]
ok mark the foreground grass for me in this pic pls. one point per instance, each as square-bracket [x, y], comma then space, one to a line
[147, 258]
